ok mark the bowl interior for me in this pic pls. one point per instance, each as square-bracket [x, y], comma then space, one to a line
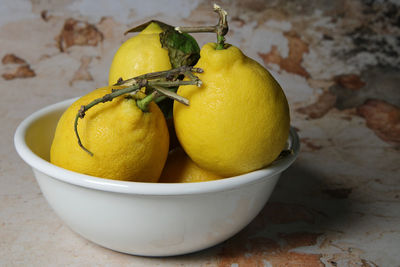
[41, 133]
[33, 140]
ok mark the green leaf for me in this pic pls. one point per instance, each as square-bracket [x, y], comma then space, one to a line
[182, 48]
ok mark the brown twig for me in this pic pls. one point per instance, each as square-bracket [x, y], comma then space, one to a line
[221, 29]
[157, 82]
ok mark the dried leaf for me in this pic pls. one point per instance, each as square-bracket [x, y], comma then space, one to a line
[298, 259]
[23, 71]
[383, 118]
[76, 32]
[45, 15]
[292, 63]
[12, 59]
[310, 144]
[349, 81]
[300, 239]
[325, 102]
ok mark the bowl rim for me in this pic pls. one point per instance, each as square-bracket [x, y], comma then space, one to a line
[142, 188]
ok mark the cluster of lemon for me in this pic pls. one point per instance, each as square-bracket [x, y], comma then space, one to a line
[237, 120]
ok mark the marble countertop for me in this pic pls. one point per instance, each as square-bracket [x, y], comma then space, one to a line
[338, 205]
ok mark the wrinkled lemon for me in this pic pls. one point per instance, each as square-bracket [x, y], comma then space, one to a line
[140, 54]
[127, 143]
[179, 168]
[238, 120]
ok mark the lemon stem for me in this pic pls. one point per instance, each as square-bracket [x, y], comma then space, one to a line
[157, 82]
[221, 29]
[220, 42]
[143, 103]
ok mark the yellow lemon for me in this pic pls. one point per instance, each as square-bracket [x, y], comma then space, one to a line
[238, 120]
[140, 54]
[179, 168]
[127, 143]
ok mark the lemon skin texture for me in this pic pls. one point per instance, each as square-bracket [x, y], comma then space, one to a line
[238, 120]
[127, 143]
[179, 168]
[139, 55]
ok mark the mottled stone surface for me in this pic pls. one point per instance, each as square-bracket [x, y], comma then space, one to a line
[338, 62]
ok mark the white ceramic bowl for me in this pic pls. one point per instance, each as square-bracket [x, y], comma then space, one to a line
[144, 218]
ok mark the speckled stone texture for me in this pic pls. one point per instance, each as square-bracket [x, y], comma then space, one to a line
[338, 62]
